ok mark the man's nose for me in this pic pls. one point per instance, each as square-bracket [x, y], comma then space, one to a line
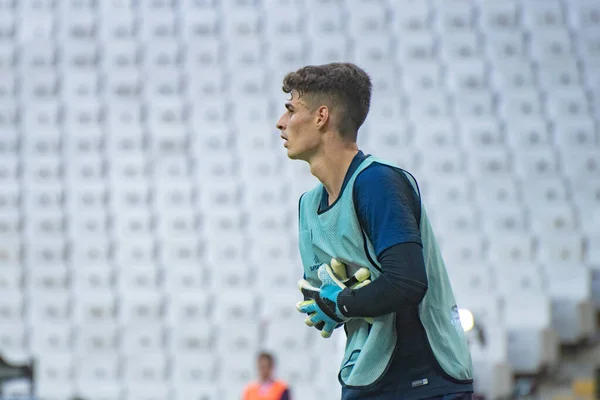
[280, 124]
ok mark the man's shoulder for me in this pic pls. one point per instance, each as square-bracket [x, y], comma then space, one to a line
[380, 173]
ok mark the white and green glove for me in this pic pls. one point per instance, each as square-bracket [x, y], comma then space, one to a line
[321, 304]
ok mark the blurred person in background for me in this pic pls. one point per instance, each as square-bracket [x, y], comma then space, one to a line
[267, 387]
[404, 336]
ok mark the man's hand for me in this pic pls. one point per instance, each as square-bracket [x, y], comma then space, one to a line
[321, 304]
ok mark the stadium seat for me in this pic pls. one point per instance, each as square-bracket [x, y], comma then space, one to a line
[157, 25]
[442, 162]
[532, 342]
[539, 162]
[245, 52]
[581, 162]
[554, 44]
[11, 279]
[553, 218]
[238, 307]
[175, 192]
[80, 57]
[9, 168]
[454, 17]
[421, 75]
[148, 368]
[104, 390]
[207, 392]
[520, 103]
[51, 337]
[413, 18]
[460, 46]
[468, 249]
[48, 144]
[7, 55]
[55, 372]
[285, 53]
[490, 162]
[42, 280]
[440, 133]
[97, 339]
[141, 306]
[176, 223]
[13, 338]
[96, 277]
[527, 132]
[431, 105]
[568, 103]
[545, 190]
[10, 223]
[77, 25]
[586, 196]
[41, 115]
[184, 251]
[542, 15]
[505, 46]
[136, 277]
[8, 86]
[142, 338]
[117, 24]
[561, 249]
[238, 338]
[498, 190]
[334, 49]
[563, 74]
[49, 251]
[489, 346]
[575, 133]
[239, 370]
[98, 306]
[188, 337]
[188, 307]
[572, 308]
[193, 371]
[42, 54]
[506, 219]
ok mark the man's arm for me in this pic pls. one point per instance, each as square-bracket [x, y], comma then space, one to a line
[389, 212]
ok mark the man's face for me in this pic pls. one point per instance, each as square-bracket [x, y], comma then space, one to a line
[298, 129]
[265, 369]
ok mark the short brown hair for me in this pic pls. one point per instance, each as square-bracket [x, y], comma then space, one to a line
[263, 355]
[344, 86]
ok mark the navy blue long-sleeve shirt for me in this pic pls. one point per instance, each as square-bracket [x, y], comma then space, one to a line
[389, 211]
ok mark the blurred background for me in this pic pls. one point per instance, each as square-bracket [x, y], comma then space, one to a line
[148, 244]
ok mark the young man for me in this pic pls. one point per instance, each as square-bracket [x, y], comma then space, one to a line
[367, 212]
[267, 387]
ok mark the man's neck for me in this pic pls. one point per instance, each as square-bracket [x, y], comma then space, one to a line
[331, 165]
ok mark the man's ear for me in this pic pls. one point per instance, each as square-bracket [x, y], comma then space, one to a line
[323, 116]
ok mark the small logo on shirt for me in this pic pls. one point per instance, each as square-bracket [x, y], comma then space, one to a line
[316, 259]
[420, 382]
[455, 317]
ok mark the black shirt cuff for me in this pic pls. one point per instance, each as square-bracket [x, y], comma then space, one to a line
[345, 302]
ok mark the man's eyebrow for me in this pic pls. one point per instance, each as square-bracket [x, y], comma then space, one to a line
[289, 106]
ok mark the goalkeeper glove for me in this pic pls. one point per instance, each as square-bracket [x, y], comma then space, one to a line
[359, 279]
[321, 304]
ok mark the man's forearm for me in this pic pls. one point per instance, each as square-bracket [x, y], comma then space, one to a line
[402, 284]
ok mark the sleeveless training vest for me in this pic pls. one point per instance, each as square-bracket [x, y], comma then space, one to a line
[336, 233]
[253, 392]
